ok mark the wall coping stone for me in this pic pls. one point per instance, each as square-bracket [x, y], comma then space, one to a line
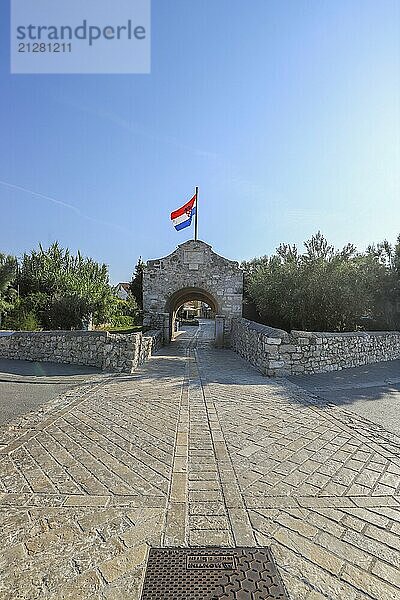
[263, 329]
[337, 334]
[281, 333]
[64, 333]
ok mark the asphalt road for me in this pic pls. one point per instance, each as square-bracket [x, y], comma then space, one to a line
[371, 391]
[25, 386]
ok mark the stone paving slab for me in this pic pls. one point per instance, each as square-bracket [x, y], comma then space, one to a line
[371, 391]
[84, 485]
[197, 449]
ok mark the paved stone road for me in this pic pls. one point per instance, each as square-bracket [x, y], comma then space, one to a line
[196, 448]
[371, 391]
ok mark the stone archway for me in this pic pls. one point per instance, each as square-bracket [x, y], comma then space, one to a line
[178, 298]
[193, 271]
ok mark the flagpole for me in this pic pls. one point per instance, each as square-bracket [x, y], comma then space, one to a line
[196, 214]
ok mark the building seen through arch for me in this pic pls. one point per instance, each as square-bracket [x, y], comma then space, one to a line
[193, 310]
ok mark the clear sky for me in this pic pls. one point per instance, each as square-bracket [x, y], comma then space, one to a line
[286, 113]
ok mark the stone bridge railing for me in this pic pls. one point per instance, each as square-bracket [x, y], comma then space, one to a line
[276, 352]
[107, 351]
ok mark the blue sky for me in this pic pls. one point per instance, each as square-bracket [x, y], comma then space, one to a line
[286, 113]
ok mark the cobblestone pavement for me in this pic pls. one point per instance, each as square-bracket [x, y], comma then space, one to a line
[196, 448]
[371, 391]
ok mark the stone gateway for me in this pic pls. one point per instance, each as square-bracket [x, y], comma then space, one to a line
[192, 272]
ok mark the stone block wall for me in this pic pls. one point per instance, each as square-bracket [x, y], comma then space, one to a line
[276, 352]
[107, 351]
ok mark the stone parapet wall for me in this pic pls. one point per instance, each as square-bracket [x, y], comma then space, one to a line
[151, 342]
[107, 351]
[276, 352]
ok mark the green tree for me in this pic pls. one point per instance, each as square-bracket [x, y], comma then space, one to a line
[321, 289]
[21, 318]
[382, 277]
[8, 270]
[126, 313]
[136, 284]
[65, 289]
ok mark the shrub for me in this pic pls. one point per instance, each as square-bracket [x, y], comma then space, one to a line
[21, 319]
[124, 321]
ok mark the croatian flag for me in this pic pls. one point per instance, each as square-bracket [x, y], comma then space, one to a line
[182, 217]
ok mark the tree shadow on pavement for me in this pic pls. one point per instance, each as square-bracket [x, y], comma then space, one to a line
[43, 369]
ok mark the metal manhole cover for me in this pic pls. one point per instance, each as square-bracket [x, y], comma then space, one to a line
[212, 574]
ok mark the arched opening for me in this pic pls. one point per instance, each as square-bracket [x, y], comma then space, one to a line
[191, 305]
